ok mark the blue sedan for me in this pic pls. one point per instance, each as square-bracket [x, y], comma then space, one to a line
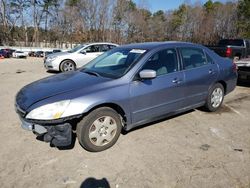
[124, 88]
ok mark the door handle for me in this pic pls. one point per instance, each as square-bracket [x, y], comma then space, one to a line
[176, 81]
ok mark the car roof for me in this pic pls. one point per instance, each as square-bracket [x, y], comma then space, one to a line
[152, 45]
[96, 43]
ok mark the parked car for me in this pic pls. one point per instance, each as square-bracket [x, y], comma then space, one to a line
[7, 53]
[32, 54]
[232, 48]
[77, 57]
[39, 54]
[47, 53]
[19, 54]
[123, 88]
[244, 69]
[56, 51]
[10, 51]
[1, 55]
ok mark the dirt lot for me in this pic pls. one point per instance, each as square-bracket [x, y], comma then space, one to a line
[196, 149]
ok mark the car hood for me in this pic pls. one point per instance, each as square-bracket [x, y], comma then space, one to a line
[55, 85]
[59, 54]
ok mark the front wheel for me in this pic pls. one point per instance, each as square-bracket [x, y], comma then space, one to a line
[215, 97]
[99, 130]
[67, 65]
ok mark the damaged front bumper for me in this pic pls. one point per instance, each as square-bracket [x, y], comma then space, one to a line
[56, 134]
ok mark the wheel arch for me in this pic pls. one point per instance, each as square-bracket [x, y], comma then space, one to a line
[113, 106]
[224, 84]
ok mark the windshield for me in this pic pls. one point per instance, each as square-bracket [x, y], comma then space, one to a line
[77, 48]
[114, 63]
[233, 42]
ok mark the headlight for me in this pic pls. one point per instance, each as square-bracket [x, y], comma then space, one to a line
[49, 111]
[51, 58]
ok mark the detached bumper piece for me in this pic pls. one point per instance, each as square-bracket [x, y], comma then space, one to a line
[58, 135]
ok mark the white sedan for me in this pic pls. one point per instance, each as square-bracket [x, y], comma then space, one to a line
[19, 54]
[77, 57]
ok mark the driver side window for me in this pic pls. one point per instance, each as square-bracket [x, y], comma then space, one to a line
[92, 49]
[163, 62]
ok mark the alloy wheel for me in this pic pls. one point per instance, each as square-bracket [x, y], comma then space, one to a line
[68, 66]
[216, 97]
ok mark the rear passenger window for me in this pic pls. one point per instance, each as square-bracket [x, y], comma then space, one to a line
[104, 48]
[163, 62]
[111, 46]
[192, 58]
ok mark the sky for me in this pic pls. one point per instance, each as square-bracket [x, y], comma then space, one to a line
[155, 5]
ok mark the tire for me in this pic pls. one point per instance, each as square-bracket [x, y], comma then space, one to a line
[67, 65]
[99, 130]
[215, 97]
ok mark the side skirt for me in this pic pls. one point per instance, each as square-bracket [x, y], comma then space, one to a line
[157, 118]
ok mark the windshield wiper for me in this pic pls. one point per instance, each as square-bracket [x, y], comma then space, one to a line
[92, 73]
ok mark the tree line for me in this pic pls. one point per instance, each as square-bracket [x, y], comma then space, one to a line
[119, 21]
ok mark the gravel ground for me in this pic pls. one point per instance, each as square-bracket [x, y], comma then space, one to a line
[195, 149]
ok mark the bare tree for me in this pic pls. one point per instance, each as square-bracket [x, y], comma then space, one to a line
[120, 21]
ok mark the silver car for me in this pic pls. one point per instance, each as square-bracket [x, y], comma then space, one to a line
[77, 57]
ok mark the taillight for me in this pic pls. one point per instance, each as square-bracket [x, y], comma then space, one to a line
[228, 52]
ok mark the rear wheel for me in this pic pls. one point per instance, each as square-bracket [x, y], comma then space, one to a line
[215, 97]
[99, 130]
[67, 65]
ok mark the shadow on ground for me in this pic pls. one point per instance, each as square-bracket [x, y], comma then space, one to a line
[52, 72]
[95, 183]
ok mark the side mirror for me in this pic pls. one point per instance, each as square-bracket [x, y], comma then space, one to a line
[147, 74]
[84, 52]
